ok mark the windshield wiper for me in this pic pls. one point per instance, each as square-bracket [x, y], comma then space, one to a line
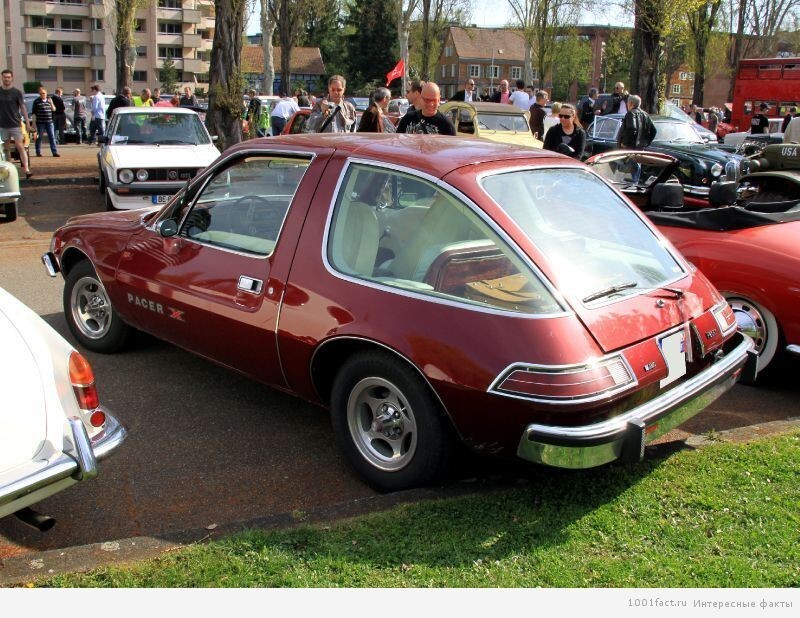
[610, 290]
[173, 141]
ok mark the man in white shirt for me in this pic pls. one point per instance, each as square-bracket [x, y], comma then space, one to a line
[280, 114]
[792, 133]
[97, 107]
[468, 94]
[519, 97]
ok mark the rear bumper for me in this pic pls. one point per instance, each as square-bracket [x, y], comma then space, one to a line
[45, 478]
[625, 436]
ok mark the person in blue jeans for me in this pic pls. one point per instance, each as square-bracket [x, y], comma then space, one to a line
[43, 109]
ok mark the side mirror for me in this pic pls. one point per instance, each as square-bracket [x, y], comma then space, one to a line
[167, 228]
[667, 195]
[102, 139]
[722, 193]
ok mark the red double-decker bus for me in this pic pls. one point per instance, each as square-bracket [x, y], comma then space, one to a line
[774, 81]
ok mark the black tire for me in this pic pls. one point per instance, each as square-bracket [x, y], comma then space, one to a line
[108, 203]
[389, 424]
[11, 211]
[90, 315]
[102, 182]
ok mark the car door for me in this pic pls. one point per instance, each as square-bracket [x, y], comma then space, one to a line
[215, 287]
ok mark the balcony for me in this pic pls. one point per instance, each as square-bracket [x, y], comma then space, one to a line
[192, 65]
[192, 40]
[97, 37]
[97, 11]
[82, 62]
[175, 40]
[35, 35]
[32, 7]
[191, 16]
[99, 62]
[81, 36]
[178, 63]
[66, 9]
[37, 61]
[169, 14]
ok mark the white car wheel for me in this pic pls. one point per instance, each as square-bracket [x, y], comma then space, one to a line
[760, 324]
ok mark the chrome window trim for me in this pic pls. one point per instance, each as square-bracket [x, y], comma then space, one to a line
[606, 394]
[679, 259]
[450, 190]
[205, 176]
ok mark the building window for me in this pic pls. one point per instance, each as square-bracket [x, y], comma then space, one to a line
[69, 74]
[448, 50]
[474, 70]
[169, 52]
[140, 25]
[516, 72]
[97, 24]
[98, 50]
[37, 21]
[98, 75]
[691, 75]
[71, 24]
[43, 49]
[534, 74]
[444, 70]
[169, 4]
[683, 76]
[676, 88]
[73, 49]
[41, 75]
[453, 72]
[140, 76]
[493, 71]
[141, 51]
[169, 27]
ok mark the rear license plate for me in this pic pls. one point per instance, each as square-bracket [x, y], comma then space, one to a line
[161, 199]
[673, 347]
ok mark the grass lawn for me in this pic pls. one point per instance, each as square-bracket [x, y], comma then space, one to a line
[727, 515]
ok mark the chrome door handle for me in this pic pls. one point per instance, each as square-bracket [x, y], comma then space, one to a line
[251, 285]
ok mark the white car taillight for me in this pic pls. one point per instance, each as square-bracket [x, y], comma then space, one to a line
[81, 377]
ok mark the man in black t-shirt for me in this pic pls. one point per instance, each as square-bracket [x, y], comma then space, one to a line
[760, 123]
[60, 114]
[12, 110]
[428, 120]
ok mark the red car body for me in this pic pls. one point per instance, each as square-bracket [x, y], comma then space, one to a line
[752, 257]
[548, 376]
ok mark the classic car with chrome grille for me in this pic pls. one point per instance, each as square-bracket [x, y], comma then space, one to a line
[53, 429]
[700, 164]
[149, 153]
[423, 289]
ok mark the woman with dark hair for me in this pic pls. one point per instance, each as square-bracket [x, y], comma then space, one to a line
[374, 119]
[567, 137]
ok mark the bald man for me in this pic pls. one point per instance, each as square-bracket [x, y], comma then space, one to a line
[428, 119]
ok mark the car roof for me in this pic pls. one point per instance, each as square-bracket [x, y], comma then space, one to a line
[490, 108]
[434, 155]
[153, 110]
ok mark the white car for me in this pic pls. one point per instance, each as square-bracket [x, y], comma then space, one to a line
[9, 188]
[149, 153]
[53, 430]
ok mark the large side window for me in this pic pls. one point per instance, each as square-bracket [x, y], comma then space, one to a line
[243, 206]
[405, 232]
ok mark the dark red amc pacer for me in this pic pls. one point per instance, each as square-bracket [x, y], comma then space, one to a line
[424, 289]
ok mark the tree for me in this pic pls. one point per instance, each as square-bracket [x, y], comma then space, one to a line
[323, 27]
[267, 32]
[369, 50]
[541, 21]
[701, 22]
[287, 15]
[404, 12]
[121, 15]
[617, 54]
[168, 76]
[572, 65]
[226, 84]
[436, 17]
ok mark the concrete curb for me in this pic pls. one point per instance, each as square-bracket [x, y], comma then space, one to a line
[50, 181]
[27, 568]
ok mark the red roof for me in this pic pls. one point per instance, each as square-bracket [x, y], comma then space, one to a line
[305, 60]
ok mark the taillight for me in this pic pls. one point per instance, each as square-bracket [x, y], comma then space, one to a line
[725, 317]
[82, 378]
[566, 384]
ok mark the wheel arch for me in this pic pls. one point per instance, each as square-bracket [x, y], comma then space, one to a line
[331, 354]
[70, 258]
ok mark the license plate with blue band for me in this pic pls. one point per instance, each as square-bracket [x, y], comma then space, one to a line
[161, 199]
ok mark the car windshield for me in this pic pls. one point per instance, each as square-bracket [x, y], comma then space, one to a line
[148, 128]
[676, 132]
[503, 122]
[597, 244]
[604, 128]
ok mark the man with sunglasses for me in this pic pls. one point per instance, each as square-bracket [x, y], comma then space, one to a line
[468, 94]
[428, 120]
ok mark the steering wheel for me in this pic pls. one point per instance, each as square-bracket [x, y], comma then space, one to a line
[242, 212]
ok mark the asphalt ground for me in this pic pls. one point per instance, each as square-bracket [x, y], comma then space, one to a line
[211, 452]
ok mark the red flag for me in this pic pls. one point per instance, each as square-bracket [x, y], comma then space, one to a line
[396, 72]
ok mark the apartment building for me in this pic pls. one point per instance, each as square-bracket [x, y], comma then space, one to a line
[69, 43]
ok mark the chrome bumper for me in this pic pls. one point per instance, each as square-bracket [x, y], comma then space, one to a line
[51, 264]
[793, 349]
[79, 465]
[625, 436]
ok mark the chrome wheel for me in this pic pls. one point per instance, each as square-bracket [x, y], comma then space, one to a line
[759, 324]
[91, 310]
[382, 424]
